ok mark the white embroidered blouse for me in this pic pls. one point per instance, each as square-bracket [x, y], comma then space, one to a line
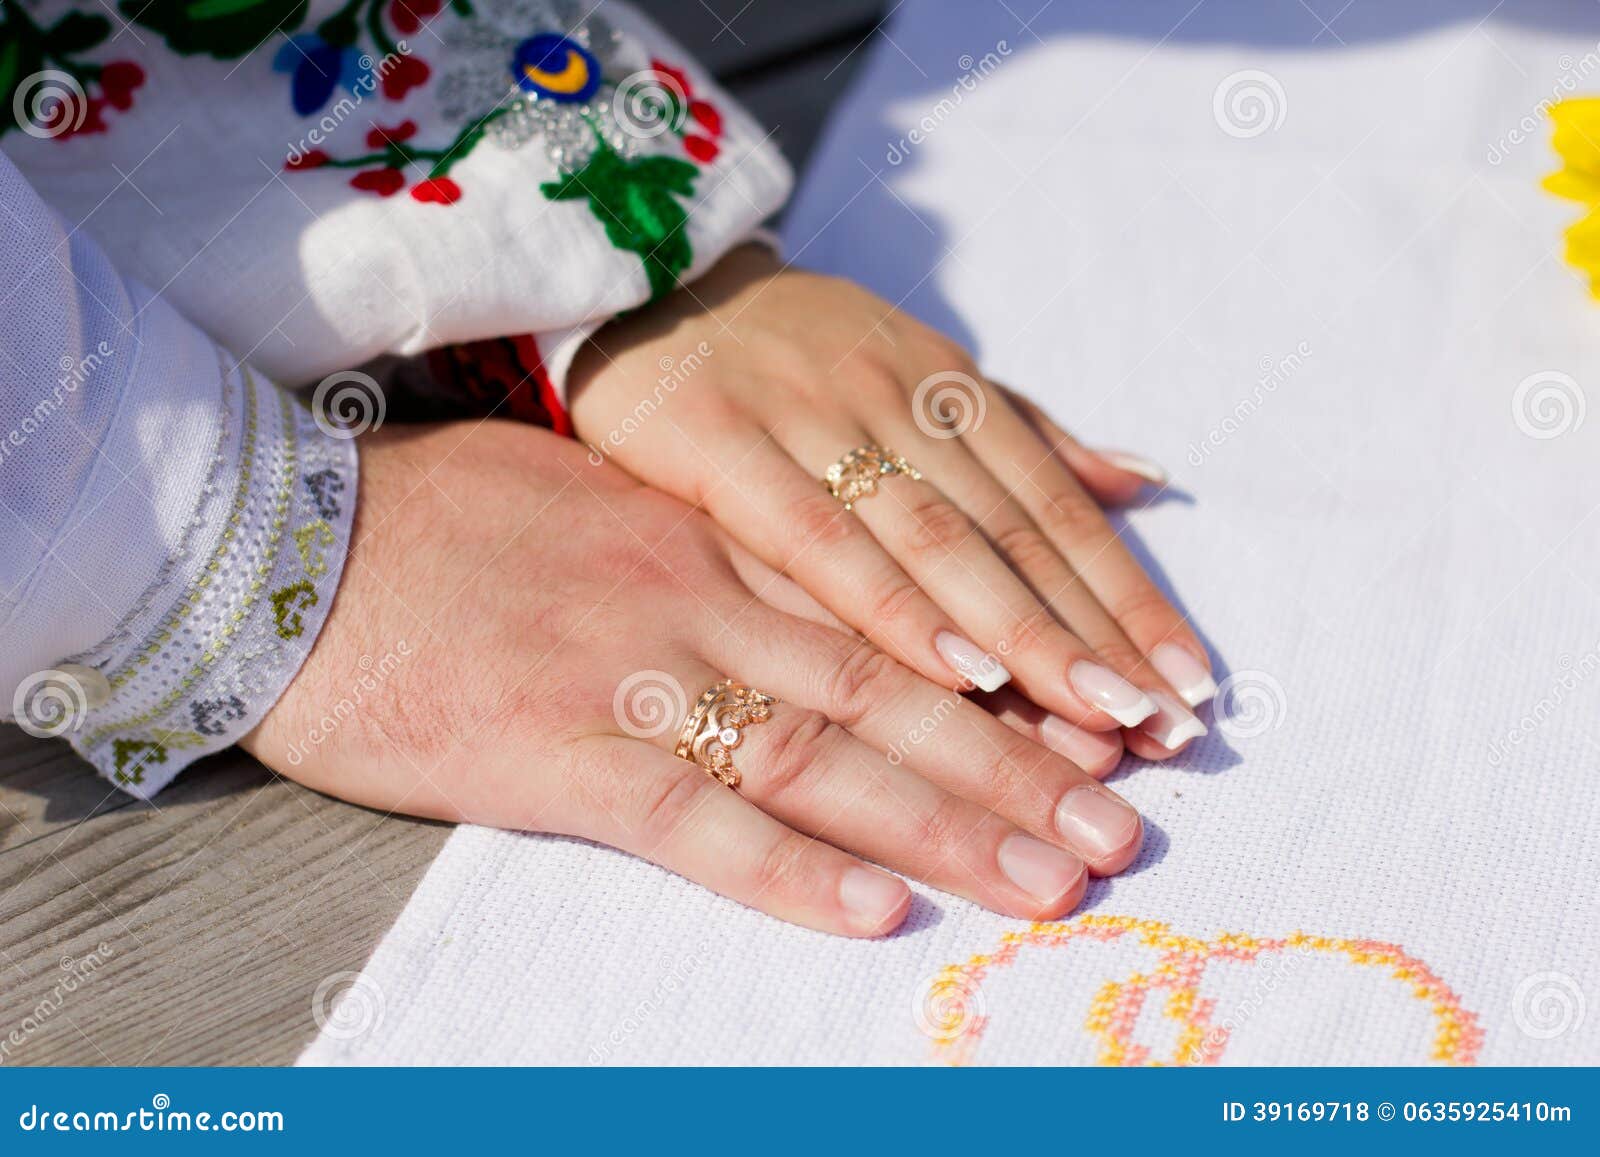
[203, 200]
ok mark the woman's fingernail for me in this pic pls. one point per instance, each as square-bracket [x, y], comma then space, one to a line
[1044, 872]
[1173, 724]
[875, 899]
[971, 662]
[1187, 674]
[1095, 821]
[1094, 751]
[1110, 692]
[1134, 464]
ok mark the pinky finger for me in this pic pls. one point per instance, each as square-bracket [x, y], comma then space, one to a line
[1096, 752]
[666, 810]
[1114, 477]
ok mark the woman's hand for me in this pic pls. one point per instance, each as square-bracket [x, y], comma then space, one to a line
[739, 391]
[519, 634]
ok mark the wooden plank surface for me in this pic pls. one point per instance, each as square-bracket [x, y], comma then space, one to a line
[203, 928]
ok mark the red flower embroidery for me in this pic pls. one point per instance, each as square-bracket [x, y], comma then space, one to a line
[701, 146]
[406, 73]
[408, 15]
[118, 79]
[384, 182]
[75, 116]
[709, 118]
[675, 78]
[436, 191]
[314, 159]
[379, 136]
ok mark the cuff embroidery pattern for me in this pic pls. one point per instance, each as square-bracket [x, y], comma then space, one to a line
[245, 616]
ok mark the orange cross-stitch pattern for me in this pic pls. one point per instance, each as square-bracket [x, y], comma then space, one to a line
[1177, 973]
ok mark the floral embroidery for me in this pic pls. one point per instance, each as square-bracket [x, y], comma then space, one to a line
[337, 53]
[1577, 143]
[211, 715]
[287, 605]
[49, 89]
[568, 90]
[306, 541]
[504, 374]
[324, 487]
[146, 752]
[637, 202]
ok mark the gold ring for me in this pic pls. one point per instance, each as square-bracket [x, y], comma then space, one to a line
[856, 475]
[716, 724]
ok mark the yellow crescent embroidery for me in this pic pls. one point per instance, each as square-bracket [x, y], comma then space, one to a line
[571, 79]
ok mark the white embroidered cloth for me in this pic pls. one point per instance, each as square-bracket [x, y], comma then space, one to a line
[1311, 270]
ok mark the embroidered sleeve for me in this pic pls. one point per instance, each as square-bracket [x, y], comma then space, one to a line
[175, 525]
[327, 182]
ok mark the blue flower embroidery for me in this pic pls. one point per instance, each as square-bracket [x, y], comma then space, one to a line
[317, 68]
[556, 68]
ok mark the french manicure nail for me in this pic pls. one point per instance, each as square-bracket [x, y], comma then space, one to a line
[1094, 751]
[1173, 724]
[971, 662]
[1134, 464]
[1042, 871]
[873, 898]
[1110, 692]
[1187, 674]
[1094, 821]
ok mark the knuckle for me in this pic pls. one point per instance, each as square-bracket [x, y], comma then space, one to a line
[792, 754]
[1029, 639]
[820, 520]
[1026, 548]
[873, 381]
[668, 803]
[781, 868]
[1072, 515]
[891, 598]
[938, 528]
[1144, 603]
[940, 832]
[1120, 655]
[861, 682]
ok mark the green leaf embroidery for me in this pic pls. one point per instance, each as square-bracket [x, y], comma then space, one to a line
[637, 203]
[224, 29]
[76, 32]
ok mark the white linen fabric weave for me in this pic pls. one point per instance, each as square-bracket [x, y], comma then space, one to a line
[1311, 270]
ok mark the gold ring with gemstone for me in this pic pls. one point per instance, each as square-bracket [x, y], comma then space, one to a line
[857, 474]
[716, 724]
